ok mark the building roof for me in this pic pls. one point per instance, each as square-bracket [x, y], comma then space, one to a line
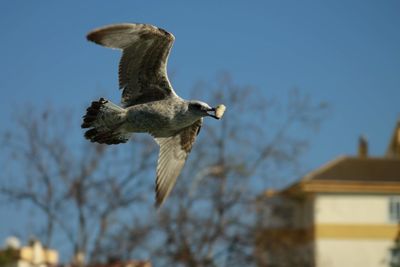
[352, 174]
[356, 174]
[358, 169]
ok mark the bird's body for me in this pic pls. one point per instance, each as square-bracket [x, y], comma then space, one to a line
[149, 103]
[160, 118]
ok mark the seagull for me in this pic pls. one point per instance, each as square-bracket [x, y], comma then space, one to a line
[149, 104]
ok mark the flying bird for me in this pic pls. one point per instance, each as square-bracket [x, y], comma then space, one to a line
[149, 103]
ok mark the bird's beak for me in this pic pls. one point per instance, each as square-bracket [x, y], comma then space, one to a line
[212, 114]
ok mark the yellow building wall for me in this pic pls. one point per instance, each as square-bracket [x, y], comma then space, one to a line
[356, 231]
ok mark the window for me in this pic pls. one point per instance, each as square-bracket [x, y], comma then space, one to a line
[394, 257]
[394, 209]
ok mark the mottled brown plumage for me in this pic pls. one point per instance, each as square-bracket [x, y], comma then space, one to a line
[143, 62]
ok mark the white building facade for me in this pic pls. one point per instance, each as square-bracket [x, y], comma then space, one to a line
[354, 229]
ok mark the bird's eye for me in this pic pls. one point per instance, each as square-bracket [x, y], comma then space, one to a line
[197, 106]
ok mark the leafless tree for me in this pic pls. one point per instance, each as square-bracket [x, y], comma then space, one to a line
[101, 198]
[81, 188]
[210, 218]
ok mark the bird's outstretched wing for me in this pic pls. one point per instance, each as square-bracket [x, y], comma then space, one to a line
[143, 66]
[174, 151]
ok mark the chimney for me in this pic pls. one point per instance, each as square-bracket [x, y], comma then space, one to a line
[397, 144]
[362, 147]
[393, 150]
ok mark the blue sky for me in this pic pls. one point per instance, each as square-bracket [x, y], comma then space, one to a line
[344, 52]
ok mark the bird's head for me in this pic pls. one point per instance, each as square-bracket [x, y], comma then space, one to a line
[201, 109]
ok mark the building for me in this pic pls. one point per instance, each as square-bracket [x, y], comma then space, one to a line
[344, 214]
[33, 255]
[131, 263]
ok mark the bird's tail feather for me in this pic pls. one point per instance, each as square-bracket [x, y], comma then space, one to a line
[105, 120]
